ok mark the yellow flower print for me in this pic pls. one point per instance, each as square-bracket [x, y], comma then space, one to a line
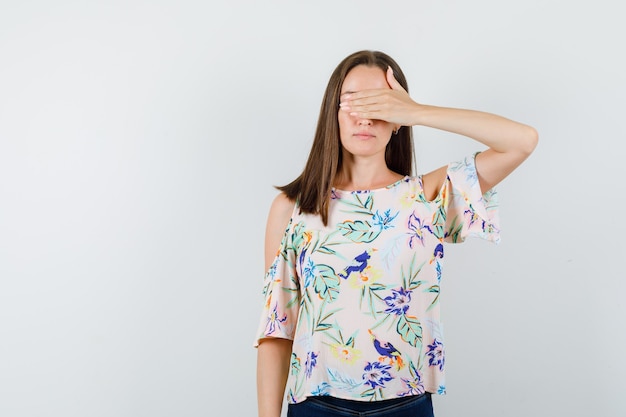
[345, 353]
[367, 277]
[407, 199]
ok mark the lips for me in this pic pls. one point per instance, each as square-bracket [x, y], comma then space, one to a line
[363, 135]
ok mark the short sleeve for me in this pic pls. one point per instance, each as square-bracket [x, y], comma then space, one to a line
[281, 292]
[469, 212]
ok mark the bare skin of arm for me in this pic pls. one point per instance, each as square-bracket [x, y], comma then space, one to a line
[509, 143]
[273, 354]
[272, 368]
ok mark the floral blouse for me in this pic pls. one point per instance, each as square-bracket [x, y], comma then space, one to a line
[360, 297]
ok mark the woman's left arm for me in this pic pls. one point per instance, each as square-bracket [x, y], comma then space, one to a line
[509, 142]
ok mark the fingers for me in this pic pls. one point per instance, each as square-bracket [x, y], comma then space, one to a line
[372, 103]
[366, 108]
[389, 104]
[364, 95]
[373, 96]
[391, 80]
[362, 101]
[368, 98]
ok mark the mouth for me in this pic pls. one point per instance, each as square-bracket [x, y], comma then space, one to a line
[363, 135]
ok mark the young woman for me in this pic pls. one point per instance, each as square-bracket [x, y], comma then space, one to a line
[354, 248]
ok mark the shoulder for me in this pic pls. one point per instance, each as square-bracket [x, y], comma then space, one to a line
[281, 209]
[433, 181]
[278, 218]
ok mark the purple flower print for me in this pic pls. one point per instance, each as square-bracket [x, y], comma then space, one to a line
[398, 302]
[274, 321]
[417, 228]
[436, 354]
[414, 387]
[376, 374]
[309, 364]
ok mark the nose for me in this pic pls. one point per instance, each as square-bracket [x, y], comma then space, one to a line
[364, 122]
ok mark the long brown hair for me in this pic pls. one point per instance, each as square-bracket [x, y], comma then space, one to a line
[313, 187]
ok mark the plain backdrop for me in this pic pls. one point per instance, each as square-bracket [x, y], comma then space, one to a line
[139, 145]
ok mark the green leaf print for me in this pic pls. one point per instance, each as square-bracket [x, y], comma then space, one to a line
[435, 289]
[296, 367]
[343, 382]
[295, 296]
[373, 394]
[305, 310]
[369, 295]
[369, 203]
[410, 280]
[439, 222]
[325, 245]
[358, 231]
[410, 329]
[326, 250]
[298, 235]
[295, 364]
[454, 231]
[321, 323]
[326, 284]
[359, 206]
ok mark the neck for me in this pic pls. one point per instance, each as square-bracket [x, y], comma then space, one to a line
[365, 176]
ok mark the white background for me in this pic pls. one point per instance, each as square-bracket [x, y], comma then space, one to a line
[139, 143]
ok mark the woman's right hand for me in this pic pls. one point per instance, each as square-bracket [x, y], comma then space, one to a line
[393, 105]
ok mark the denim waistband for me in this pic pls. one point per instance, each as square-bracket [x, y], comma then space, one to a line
[414, 406]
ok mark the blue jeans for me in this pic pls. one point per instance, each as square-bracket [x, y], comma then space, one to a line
[413, 406]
